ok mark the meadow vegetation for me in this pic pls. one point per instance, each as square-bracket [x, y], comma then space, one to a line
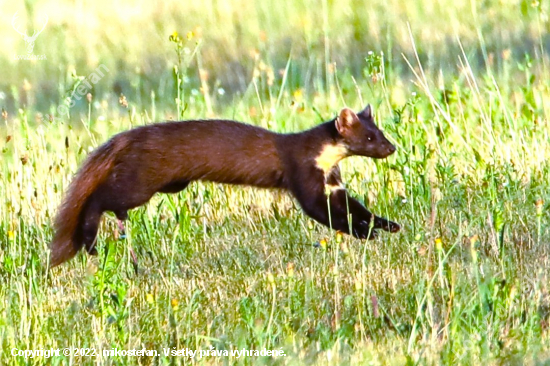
[462, 88]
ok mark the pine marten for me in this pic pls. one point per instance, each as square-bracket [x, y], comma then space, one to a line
[131, 167]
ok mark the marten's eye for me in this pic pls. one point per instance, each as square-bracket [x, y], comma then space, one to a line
[369, 138]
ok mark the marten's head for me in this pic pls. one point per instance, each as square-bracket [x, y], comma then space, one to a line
[361, 136]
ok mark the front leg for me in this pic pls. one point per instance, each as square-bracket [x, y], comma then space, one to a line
[329, 211]
[363, 222]
[353, 206]
[360, 213]
[335, 207]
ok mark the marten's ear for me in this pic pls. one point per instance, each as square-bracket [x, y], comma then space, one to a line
[345, 121]
[367, 112]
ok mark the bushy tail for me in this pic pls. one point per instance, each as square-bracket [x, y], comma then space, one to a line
[95, 170]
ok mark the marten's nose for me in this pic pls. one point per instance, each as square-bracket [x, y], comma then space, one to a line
[391, 149]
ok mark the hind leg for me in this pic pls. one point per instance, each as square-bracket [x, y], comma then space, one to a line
[90, 225]
[121, 216]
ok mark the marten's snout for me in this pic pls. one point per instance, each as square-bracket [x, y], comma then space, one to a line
[387, 149]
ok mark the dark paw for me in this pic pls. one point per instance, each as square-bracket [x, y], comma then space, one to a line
[386, 225]
[393, 227]
[364, 231]
[121, 215]
[91, 250]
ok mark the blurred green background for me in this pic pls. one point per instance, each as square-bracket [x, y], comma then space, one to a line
[462, 88]
[233, 38]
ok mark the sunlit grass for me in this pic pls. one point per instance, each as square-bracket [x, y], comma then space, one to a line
[464, 282]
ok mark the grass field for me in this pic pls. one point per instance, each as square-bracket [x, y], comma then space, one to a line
[461, 88]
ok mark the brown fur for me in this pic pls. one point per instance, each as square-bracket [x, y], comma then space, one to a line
[129, 169]
[92, 174]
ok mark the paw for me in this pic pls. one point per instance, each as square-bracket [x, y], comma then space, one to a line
[91, 249]
[386, 225]
[393, 227]
[364, 231]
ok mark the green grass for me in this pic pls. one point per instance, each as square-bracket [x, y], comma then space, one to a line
[467, 105]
